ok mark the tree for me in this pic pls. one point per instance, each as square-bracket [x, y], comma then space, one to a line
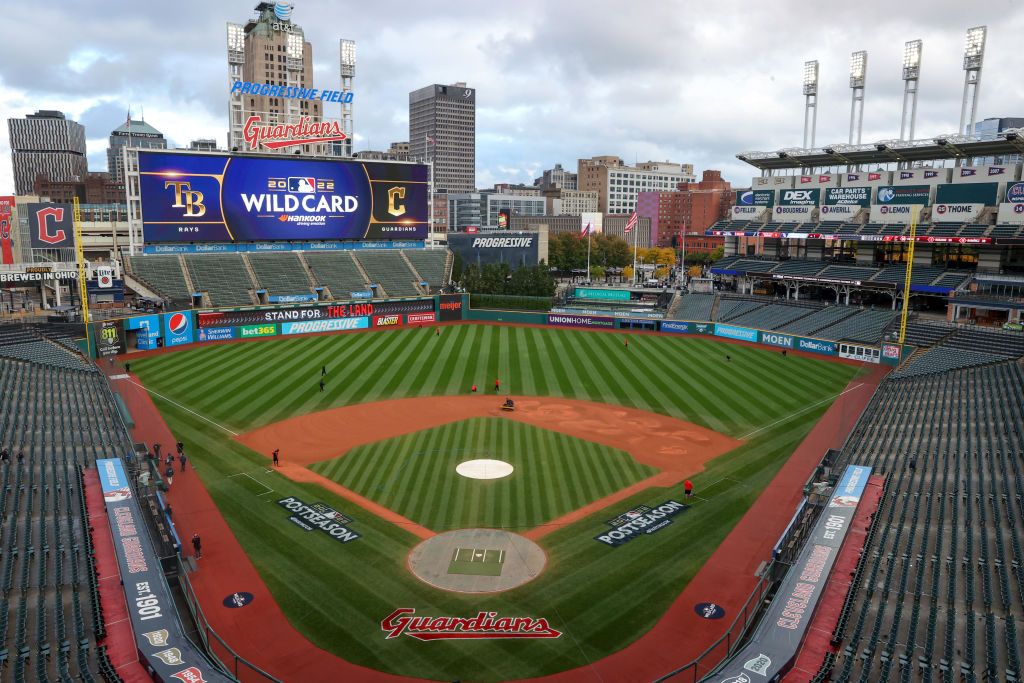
[471, 280]
[596, 272]
[665, 256]
[627, 273]
[718, 253]
[661, 271]
[457, 267]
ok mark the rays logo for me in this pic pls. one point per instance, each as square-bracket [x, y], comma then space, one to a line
[283, 10]
[178, 324]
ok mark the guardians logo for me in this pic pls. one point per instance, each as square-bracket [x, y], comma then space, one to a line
[483, 625]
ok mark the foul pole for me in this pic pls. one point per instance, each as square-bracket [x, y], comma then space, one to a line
[82, 290]
[910, 268]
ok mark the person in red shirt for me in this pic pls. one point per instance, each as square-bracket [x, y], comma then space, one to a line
[688, 486]
[496, 385]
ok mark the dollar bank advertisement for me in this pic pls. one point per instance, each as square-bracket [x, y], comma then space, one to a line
[220, 198]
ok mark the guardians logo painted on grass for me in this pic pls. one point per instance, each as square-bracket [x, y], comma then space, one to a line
[483, 625]
[641, 518]
[320, 516]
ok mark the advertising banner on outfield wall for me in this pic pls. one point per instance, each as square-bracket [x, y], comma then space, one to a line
[731, 332]
[420, 318]
[786, 341]
[332, 325]
[323, 312]
[178, 328]
[450, 307]
[680, 327]
[1011, 213]
[816, 346]
[109, 338]
[581, 320]
[216, 334]
[148, 327]
[247, 331]
[222, 198]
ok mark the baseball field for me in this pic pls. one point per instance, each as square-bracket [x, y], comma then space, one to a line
[600, 431]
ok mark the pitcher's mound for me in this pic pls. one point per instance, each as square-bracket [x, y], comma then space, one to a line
[477, 560]
[484, 469]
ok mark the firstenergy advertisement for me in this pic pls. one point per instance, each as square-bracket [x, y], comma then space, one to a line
[220, 198]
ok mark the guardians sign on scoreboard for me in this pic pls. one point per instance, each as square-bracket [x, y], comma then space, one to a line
[224, 198]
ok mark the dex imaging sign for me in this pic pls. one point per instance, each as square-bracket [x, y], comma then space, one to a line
[204, 198]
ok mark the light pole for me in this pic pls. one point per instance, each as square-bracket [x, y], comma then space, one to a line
[974, 55]
[858, 78]
[810, 100]
[911, 74]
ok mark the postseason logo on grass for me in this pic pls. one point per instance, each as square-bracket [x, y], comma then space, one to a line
[643, 519]
[320, 516]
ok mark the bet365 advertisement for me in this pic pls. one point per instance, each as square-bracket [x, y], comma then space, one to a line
[221, 198]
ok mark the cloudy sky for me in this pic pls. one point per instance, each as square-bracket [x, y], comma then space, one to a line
[556, 80]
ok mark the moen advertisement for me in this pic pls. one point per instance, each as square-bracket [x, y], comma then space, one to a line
[283, 315]
[204, 198]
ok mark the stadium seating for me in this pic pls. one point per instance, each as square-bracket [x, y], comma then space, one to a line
[920, 275]
[695, 307]
[818, 320]
[430, 264]
[937, 592]
[1010, 344]
[771, 316]
[729, 308]
[866, 327]
[223, 277]
[389, 270]
[55, 409]
[1005, 230]
[848, 272]
[974, 230]
[799, 267]
[163, 275]
[280, 274]
[337, 271]
[943, 230]
[922, 334]
[941, 359]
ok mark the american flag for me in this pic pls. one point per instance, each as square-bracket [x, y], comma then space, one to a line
[431, 140]
[631, 223]
[585, 230]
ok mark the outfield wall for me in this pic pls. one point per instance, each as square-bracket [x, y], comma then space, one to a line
[147, 332]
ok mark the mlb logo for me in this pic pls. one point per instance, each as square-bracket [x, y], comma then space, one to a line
[302, 185]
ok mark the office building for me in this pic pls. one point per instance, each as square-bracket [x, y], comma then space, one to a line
[481, 209]
[557, 177]
[694, 207]
[618, 185]
[566, 202]
[49, 144]
[991, 127]
[446, 115]
[271, 50]
[131, 133]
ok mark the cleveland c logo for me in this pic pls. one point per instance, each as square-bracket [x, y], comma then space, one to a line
[44, 227]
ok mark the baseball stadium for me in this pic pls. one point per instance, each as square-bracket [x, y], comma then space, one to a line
[302, 448]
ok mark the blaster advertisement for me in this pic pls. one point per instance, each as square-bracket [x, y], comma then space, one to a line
[287, 315]
[204, 198]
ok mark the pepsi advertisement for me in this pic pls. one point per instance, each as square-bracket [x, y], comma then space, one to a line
[177, 329]
[221, 198]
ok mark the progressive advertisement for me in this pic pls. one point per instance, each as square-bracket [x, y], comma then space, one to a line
[332, 325]
[221, 198]
[283, 315]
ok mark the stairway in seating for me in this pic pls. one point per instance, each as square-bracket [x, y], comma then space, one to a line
[714, 308]
[449, 261]
[673, 306]
[419, 278]
[188, 277]
[252, 277]
[366, 278]
[328, 294]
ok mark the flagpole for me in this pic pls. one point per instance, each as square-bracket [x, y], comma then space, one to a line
[589, 230]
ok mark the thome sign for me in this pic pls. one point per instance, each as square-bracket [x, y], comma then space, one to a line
[222, 198]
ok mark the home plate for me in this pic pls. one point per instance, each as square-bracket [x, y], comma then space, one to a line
[484, 469]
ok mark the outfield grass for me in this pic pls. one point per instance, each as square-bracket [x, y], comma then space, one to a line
[554, 474]
[601, 597]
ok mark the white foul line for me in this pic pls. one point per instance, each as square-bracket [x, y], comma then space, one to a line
[804, 410]
[202, 417]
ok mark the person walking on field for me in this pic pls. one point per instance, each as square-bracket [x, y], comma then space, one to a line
[497, 385]
[169, 475]
[197, 545]
[439, 332]
[688, 486]
[321, 385]
[627, 345]
[323, 370]
[182, 459]
[276, 461]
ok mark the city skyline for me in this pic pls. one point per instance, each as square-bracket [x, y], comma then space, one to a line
[556, 83]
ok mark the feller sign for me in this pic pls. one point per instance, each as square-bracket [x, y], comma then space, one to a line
[483, 625]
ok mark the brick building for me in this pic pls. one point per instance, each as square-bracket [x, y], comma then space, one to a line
[695, 206]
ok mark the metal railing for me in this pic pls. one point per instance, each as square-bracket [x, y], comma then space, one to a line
[729, 643]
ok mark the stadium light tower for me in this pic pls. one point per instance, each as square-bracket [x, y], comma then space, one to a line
[911, 73]
[347, 52]
[974, 54]
[858, 77]
[810, 99]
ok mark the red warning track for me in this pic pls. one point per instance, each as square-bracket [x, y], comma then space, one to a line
[261, 634]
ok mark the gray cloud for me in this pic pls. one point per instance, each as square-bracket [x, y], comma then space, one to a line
[556, 81]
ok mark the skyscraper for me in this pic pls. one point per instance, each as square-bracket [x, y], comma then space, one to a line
[445, 114]
[270, 50]
[131, 133]
[46, 143]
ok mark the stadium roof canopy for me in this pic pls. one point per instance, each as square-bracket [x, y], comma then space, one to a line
[941, 148]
